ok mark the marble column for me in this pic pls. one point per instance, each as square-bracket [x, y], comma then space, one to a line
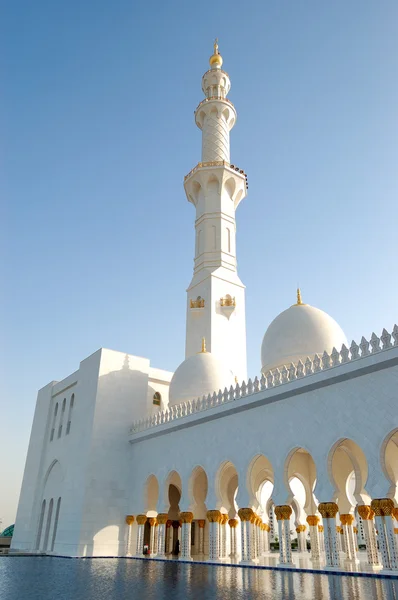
[321, 537]
[141, 520]
[246, 515]
[129, 522]
[329, 511]
[283, 514]
[169, 536]
[301, 539]
[214, 518]
[201, 545]
[384, 510]
[152, 537]
[186, 518]
[267, 532]
[313, 521]
[347, 521]
[233, 523]
[162, 520]
[223, 536]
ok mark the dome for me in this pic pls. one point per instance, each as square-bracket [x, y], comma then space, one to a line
[198, 376]
[300, 331]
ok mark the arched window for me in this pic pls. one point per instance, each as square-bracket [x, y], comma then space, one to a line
[61, 420]
[71, 403]
[48, 526]
[43, 510]
[54, 418]
[157, 398]
[55, 523]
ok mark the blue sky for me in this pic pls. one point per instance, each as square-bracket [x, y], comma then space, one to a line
[98, 133]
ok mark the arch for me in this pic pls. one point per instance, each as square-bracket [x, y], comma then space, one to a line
[172, 494]
[55, 524]
[300, 465]
[197, 492]
[196, 190]
[230, 186]
[61, 418]
[389, 462]
[151, 495]
[48, 525]
[71, 405]
[54, 470]
[53, 424]
[346, 457]
[226, 488]
[213, 184]
[259, 471]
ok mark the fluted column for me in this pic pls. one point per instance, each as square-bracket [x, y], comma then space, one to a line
[152, 537]
[169, 537]
[141, 520]
[321, 537]
[267, 531]
[214, 518]
[162, 520]
[283, 514]
[186, 518]
[329, 511]
[313, 521]
[129, 522]
[301, 540]
[339, 531]
[347, 521]
[233, 523]
[246, 515]
[223, 536]
[383, 509]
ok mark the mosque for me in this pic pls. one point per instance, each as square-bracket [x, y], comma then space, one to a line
[126, 459]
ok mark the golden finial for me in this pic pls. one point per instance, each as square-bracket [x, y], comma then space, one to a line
[299, 301]
[216, 58]
[203, 345]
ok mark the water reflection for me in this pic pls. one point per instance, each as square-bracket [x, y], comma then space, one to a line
[45, 578]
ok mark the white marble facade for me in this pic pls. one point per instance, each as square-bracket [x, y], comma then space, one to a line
[127, 459]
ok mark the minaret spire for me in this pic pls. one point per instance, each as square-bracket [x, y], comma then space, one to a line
[216, 187]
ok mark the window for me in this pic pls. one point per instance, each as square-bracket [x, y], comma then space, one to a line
[61, 418]
[157, 398]
[71, 404]
[54, 418]
[56, 523]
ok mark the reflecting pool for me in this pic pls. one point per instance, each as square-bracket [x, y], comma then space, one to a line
[49, 578]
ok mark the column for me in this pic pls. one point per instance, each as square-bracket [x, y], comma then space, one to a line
[162, 520]
[129, 522]
[321, 536]
[245, 515]
[214, 517]
[201, 524]
[186, 518]
[329, 511]
[347, 521]
[313, 521]
[338, 536]
[301, 540]
[141, 520]
[253, 533]
[152, 536]
[233, 523]
[283, 514]
[267, 530]
[169, 536]
[384, 509]
[223, 536]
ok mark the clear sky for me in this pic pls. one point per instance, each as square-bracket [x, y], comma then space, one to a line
[98, 133]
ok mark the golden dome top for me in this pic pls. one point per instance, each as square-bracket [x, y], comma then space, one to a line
[216, 58]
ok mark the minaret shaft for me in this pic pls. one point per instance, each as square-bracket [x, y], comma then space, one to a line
[216, 297]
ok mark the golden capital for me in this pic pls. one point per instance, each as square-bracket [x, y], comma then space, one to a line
[129, 519]
[213, 516]
[224, 519]
[355, 529]
[152, 521]
[346, 519]
[283, 512]
[245, 514]
[186, 517]
[395, 514]
[141, 519]
[328, 510]
[162, 518]
[169, 523]
[320, 528]
[364, 512]
[201, 523]
[312, 520]
[395, 529]
[233, 523]
[382, 507]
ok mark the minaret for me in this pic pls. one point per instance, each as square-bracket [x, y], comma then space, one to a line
[216, 295]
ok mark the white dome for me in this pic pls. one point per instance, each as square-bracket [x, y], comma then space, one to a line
[300, 331]
[198, 376]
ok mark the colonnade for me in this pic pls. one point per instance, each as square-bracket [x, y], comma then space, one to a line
[330, 543]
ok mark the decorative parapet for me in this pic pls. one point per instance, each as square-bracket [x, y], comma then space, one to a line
[217, 163]
[206, 100]
[274, 379]
[227, 301]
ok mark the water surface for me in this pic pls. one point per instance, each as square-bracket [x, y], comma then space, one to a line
[50, 578]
